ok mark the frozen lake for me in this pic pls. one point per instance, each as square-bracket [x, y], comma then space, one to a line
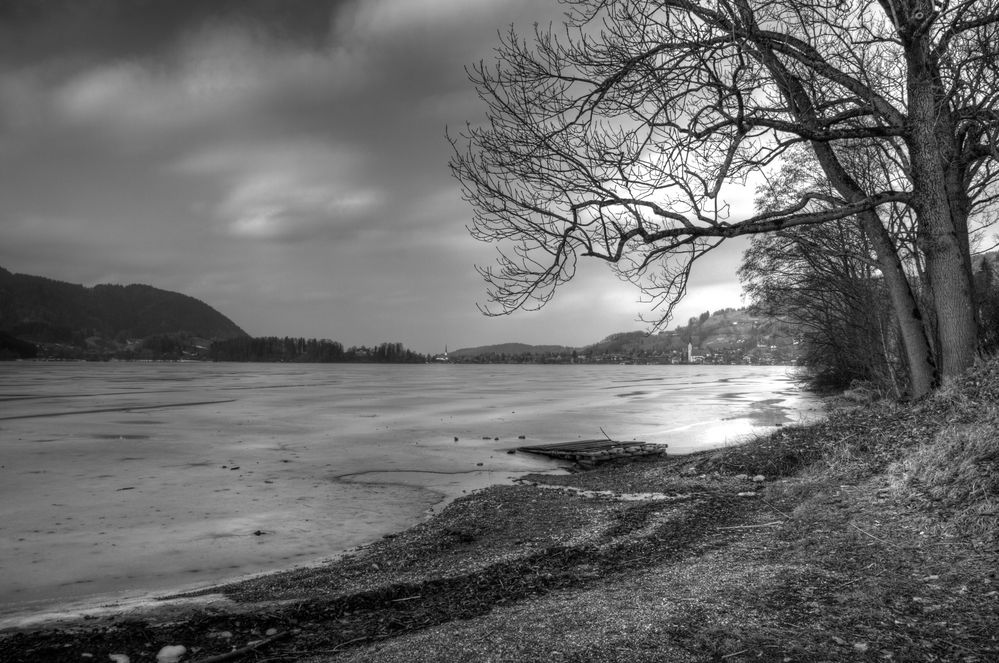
[130, 477]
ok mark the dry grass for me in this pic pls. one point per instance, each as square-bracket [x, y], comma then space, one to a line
[955, 480]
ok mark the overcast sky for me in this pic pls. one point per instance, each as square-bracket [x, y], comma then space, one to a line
[283, 160]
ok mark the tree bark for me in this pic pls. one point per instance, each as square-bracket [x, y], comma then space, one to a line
[942, 229]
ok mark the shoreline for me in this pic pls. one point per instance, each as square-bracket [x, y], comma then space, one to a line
[155, 602]
[173, 496]
[49, 612]
[159, 605]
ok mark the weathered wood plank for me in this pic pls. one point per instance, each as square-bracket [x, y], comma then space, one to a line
[594, 450]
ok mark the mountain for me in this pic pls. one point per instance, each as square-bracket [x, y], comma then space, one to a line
[44, 311]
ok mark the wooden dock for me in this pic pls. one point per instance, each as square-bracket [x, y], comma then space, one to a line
[596, 451]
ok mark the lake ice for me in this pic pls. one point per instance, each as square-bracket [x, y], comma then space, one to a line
[130, 477]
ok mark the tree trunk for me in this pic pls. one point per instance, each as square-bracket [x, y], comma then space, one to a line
[942, 231]
[951, 292]
[915, 344]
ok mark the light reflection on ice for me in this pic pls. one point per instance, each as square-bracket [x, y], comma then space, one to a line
[151, 476]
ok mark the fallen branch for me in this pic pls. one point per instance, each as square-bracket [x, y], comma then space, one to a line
[242, 651]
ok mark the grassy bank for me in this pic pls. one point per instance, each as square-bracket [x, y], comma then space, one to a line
[872, 535]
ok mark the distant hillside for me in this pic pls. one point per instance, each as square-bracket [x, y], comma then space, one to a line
[508, 350]
[728, 336]
[722, 332]
[45, 311]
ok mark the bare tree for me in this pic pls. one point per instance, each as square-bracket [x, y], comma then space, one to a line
[828, 280]
[885, 246]
[617, 135]
[824, 280]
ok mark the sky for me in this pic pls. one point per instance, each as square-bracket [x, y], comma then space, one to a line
[284, 161]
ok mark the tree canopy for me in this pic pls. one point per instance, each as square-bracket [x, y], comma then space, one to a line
[618, 134]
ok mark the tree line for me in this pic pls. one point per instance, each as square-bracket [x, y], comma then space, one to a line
[275, 349]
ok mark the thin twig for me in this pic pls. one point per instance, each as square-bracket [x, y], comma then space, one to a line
[770, 524]
[370, 637]
[350, 642]
[862, 531]
[958, 646]
[736, 653]
[786, 515]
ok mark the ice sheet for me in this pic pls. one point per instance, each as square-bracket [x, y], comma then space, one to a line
[145, 476]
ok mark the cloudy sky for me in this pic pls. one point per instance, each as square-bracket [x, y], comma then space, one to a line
[282, 160]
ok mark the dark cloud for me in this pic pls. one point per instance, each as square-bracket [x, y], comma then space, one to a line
[283, 160]
[33, 30]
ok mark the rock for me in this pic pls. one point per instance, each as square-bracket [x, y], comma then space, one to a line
[742, 477]
[271, 631]
[750, 494]
[171, 654]
[119, 658]
[759, 478]
[521, 437]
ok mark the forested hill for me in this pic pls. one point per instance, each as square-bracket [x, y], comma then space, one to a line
[727, 336]
[64, 315]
